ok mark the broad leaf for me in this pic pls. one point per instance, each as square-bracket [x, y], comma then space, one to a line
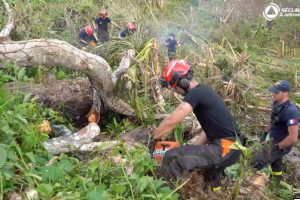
[3, 155]
[46, 189]
[98, 193]
[117, 188]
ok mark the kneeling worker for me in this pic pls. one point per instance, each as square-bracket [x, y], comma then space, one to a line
[87, 36]
[213, 152]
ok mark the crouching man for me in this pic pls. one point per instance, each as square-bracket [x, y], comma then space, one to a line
[214, 152]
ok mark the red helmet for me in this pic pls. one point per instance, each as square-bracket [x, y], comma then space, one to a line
[131, 26]
[174, 70]
[103, 13]
[89, 30]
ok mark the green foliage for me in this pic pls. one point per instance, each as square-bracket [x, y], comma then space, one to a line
[22, 157]
[281, 190]
[13, 72]
[116, 128]
[23, 161]
[233, 171]
[179, 133]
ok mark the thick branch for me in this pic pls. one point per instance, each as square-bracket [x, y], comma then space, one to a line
[50, 52]
[72, 142]
[124, 65]
[4, 34]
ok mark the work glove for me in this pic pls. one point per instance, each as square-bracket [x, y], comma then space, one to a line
[243, 139]
[275, 147]
[151, 145]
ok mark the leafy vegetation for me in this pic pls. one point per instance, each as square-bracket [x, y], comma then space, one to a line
[24, 163]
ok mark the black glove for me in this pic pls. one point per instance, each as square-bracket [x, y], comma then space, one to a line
[275, 147]
[151, 146]
[243, 139]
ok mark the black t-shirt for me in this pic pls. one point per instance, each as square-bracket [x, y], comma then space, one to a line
[102, 23]
[212, 113]
[171, 44]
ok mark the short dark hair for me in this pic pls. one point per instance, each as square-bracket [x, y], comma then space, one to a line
[172, 34]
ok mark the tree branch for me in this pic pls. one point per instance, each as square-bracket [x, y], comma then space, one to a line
[51, 52]
[4, 34]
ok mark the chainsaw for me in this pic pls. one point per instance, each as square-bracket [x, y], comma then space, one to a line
[160, 148]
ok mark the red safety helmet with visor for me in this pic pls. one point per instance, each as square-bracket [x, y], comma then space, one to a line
[132, 26]
[89, 30]
[103, 13]
[174, 71]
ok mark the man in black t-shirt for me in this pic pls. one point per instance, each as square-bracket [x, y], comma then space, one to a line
[213, 152]
[102, 26]
[172, 45]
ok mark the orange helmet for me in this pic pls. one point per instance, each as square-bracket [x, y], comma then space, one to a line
[131, 26]
[89, 30]
[174, 71]
[103, 13]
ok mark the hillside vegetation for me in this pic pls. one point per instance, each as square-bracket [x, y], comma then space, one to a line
[230, 48]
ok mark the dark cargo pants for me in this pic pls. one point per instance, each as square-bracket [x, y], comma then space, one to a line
[273, 157]
[103, 36]
[213, 158]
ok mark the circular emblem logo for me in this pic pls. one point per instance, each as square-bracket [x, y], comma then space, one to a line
[271, 11]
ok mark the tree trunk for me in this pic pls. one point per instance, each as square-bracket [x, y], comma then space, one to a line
[73, 97]
[51, 52]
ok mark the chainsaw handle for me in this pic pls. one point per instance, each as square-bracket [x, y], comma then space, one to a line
[164, 145]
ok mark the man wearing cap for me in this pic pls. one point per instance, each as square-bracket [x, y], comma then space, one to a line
[214, 150]
[283, 129]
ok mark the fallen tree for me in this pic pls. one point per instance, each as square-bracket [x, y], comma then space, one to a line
[50, 52]
[73, 97]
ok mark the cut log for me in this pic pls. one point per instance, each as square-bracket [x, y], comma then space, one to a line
[50, 52]
[78, 140]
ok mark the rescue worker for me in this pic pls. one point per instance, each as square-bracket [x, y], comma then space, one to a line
[283, 129]
[87, 37]
[129, 30]
[102, 24]
[172, 45]
[213, 152]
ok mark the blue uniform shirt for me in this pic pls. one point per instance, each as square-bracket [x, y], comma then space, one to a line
[283, 116]
[171, 44]
[83, 35]
[102, 23]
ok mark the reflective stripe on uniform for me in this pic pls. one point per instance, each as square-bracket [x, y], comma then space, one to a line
[216, 189]
[226, 146]
[277, 173]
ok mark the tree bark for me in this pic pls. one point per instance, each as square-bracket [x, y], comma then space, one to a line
[4, 34]
[82, 141]
[51, 52]
[73, 97]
